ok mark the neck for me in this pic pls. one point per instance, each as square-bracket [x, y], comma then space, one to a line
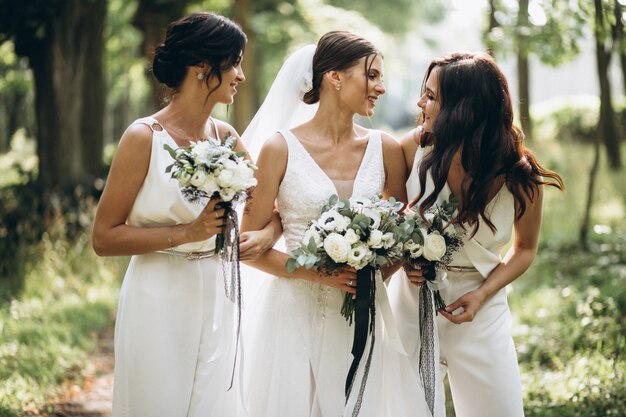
[334, 123]
[187, 115]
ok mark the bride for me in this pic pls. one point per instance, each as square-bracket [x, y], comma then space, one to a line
[295, 363]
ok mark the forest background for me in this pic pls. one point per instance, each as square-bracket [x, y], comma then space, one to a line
[74, 74]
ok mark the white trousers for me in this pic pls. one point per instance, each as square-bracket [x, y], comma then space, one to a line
[479, 356]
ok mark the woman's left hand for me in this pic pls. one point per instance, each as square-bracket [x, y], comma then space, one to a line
[470, 303]
[253, 243]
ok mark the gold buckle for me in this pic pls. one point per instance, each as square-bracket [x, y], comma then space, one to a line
[194, 256]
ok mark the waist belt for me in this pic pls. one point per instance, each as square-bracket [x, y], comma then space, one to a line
[453, 268]
[191, 256]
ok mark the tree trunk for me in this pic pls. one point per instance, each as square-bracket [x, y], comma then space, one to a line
[493, 23]
[523, 68]
[247, 101]
[593, 174]
[607, 128]
[69, 95]
[152, 18]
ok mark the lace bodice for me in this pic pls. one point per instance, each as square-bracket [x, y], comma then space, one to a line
[306, 187]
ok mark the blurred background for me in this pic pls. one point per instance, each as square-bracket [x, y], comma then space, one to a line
[74, 74]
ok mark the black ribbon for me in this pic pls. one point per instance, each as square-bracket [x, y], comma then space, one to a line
[228, 243]
[364, 324]
[427, 346]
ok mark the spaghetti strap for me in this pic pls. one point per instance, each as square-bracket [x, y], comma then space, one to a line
[217, 131]
[151, 122]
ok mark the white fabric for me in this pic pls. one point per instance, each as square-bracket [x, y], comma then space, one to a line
[283, 107]
[174, 328]
[297, 357]
[480, 356]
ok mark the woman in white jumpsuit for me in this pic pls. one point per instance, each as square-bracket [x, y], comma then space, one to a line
[468, 146]
[174, 350]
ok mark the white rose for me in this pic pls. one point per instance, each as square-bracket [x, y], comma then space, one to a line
[210, 185]
[227, 163]
[336, 247]
[388, 240]
[312, 234]
[376, 239]
[351, 236]
[333, 221]
[226, 178]
[198, 178]
[358, 256]
[434, 247]
[415, 249]
[227, 194]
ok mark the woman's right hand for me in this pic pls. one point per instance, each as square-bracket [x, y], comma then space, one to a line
[208, 223]
[343, 279]
[417, 272]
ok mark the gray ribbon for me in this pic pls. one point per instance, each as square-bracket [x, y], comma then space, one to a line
[427, 346]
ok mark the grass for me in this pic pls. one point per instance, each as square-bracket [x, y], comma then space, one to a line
[569, 307]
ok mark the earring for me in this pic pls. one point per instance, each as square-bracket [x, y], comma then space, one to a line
[200, 76]
[338, 86]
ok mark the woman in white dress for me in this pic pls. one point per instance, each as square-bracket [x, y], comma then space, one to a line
[467, 146]
[174, 329]
[299, 355]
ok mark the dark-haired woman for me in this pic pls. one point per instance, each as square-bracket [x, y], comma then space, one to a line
[173, 350]
[467, 146]
[300, 356]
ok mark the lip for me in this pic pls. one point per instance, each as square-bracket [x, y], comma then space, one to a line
[372, 100]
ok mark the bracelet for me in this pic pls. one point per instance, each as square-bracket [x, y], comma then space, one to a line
[170, 238]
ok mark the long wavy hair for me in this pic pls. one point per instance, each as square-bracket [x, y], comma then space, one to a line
[476, 117]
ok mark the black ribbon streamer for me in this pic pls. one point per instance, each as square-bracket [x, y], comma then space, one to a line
[230, 268]
[364, 324]
[427, 346]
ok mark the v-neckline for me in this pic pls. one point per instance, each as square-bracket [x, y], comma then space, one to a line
[324, 174]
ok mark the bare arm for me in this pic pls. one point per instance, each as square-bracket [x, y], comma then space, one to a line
[272, 165]
[395, 170]
[516, 261]
[111, 235]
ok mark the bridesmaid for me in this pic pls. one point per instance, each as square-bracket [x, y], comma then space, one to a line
[467, 146]
[173, 353]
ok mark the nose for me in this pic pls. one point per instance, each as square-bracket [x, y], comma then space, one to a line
[240, 75]
[380, 88]
[421, 102]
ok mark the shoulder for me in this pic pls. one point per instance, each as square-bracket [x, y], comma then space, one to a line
[390, 144]
[137, 136]
[411, 141]
[275, 146]
[225, 128]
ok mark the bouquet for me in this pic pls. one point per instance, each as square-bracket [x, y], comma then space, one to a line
[361, 233]
[209, 169]
[432, 239]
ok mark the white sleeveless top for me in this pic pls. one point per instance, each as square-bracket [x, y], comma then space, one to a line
[483, 250]
[305, 187]
[159, 202]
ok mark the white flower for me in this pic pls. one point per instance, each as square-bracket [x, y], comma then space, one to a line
[227, 194]
[184, 178]
[429, 216]
[210, 185]
[415, 249]
[312, 234]
[200, 152]
[333, 221]
[434, 247]
[226, 178]
[374, 215]
[376, 239]
[198, 178]
[358, 256]
[388, 240]
[358, 203]
[307, 82]
[351, 236]
[336, 247]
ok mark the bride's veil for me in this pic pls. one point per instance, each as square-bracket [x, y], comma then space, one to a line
[283, 107]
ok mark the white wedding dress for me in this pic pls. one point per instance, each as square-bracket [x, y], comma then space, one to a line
[297, 346]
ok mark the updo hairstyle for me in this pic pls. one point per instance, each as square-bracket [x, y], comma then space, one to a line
[337, 51]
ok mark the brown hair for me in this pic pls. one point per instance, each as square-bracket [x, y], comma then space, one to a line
[337, 51]
[476, 116]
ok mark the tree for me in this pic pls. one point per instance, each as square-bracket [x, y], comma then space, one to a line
[62, 40]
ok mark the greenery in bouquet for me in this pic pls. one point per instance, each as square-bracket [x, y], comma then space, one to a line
[212, 169]
[432, 240]
[357, 232]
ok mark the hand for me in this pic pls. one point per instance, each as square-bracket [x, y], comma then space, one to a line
[417, 273]
[208, 223]
[470, 303]
[344, 279]
[253, 243]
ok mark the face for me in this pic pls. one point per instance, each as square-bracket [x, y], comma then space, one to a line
[354, 81]
[429, 101]
[231, 77]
